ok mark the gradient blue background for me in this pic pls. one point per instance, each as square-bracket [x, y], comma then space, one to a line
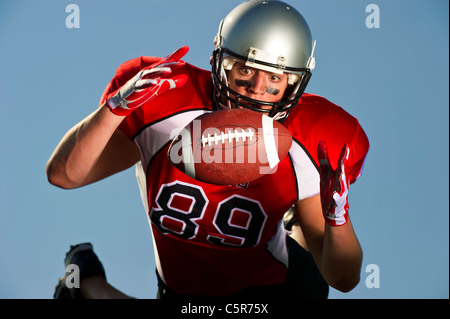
[393, 79]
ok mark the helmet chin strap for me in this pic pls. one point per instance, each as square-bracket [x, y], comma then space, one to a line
[280, 116]
[283, 114]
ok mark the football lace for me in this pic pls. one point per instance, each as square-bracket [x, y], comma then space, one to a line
[230, 136]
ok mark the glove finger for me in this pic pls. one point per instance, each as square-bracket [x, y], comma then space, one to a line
[144, 83]
[341, 179]
[140, 97]
[163, 85]
[173, 57]
[154, 72]
[343, 157]
[177, 55]
[135, 99]
[147, 94]
[172, 83]
[160, 70]
[324, 162]
[152, 77]
[144, 88]
[172, 65]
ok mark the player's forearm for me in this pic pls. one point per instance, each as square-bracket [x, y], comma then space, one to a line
[79, 150]
[341, 257]
[97, 287]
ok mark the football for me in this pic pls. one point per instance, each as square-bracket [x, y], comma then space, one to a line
[230, 147]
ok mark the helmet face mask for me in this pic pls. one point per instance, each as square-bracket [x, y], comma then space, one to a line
[270, 36]
[226, 97]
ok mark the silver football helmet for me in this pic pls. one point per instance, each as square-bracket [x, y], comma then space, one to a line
[268, 35]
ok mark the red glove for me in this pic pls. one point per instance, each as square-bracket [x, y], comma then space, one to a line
[333, 186]
[147, 84]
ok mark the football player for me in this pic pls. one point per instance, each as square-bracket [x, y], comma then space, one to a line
[216, 241]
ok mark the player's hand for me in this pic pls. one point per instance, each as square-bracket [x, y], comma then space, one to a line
[333, 186]
[147, 84]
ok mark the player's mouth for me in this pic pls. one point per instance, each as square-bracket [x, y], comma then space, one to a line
[255, 106]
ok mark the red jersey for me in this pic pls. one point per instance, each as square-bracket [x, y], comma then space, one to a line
[217, 240]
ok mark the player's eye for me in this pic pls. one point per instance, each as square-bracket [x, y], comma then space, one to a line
[274, 78]
[245, 71]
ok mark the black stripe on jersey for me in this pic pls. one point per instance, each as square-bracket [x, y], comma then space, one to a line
[293, 170]
[306, 152]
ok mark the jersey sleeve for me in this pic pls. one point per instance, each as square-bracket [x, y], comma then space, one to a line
[359, 147]
[317, 119]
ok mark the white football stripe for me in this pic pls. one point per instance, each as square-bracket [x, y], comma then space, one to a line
[269, 141]
[188, 156]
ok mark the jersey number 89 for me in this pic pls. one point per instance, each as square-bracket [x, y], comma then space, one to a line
[232, 235]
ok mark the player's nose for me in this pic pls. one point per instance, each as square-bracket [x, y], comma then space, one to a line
[257, 84]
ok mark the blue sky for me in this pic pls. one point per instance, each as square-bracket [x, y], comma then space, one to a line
[394, 79]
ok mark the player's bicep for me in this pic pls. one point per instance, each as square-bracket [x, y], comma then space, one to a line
[119, 154]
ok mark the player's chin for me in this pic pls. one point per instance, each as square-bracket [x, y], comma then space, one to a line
[254, 107]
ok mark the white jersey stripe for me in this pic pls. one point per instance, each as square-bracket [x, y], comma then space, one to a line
[152, 138]
[307, 175]
[277, 244]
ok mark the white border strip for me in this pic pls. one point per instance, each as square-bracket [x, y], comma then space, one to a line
[188, 156]
[269, 141]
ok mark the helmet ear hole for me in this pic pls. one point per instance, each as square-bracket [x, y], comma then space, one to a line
[293, 78]
[228, 63]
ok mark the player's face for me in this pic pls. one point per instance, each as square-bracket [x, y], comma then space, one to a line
[257, 84]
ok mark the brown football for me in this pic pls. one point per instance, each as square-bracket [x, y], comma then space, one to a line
[230, 147]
